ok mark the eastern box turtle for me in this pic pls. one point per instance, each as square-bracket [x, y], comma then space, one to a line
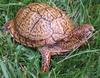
[47, 28]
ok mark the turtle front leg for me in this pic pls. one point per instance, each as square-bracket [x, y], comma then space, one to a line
[46, 56]
[47, 52]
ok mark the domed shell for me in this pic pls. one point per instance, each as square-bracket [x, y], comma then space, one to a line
[41, 23]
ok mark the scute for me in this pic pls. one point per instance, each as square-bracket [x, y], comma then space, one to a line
[50, 13]
[27, 23]
[21, 15]
[61, 26]
[41, 30]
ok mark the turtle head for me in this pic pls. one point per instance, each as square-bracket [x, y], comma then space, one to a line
[87, 30]
[77, 37]
[83, 32]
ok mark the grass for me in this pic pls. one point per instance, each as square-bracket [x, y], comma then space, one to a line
[18, 61]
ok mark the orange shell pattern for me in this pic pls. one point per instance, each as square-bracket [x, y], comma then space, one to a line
[40, 24]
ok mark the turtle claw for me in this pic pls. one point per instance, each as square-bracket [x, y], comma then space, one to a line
[45, 67]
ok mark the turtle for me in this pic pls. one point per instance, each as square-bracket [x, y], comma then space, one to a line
[49, 29]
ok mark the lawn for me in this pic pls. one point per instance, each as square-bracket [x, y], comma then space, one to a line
[18, 61]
